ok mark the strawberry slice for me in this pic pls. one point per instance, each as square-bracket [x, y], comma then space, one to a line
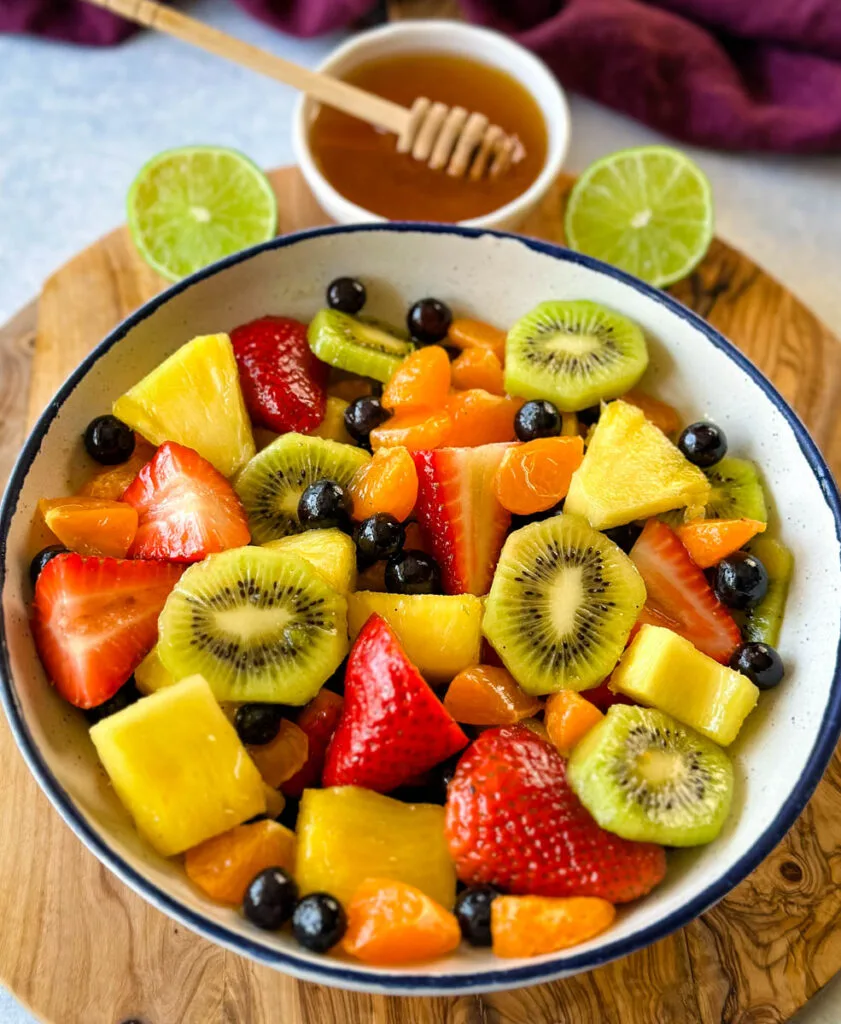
[462, 522]
[319, 721]
[96, 619]
[392, 726]
[186, 508]
[679, 596]
[283, 383]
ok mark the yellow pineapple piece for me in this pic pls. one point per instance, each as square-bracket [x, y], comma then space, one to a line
[631, 470]
[150, 674]
[331, 552]
[347, 834]
[194, 398]
[179, 767]
[663, 670]
[440, 635]
[333, 425]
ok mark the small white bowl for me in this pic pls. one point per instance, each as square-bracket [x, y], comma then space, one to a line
[457, 38]
[780, 753]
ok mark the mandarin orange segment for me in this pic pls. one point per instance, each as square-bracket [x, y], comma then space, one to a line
[421, 381]
[91, 526]
[224, 866]
[661, 414]
[464, 334]
[395, 923]
[416, 430]
[486, 695]
[710, 540]
[478, 417]
[568, 717]
[533, 925]
[535, 476]
[388, 483]
[111, 483]
[478, 368]
[284, 756]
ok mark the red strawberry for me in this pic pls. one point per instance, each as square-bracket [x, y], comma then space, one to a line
[392, 725]
[187, 509]
[678, 593]
[462, 522]
[603, 697]
[319, 720]
[96, 619]
[282, 381]
[513, 822]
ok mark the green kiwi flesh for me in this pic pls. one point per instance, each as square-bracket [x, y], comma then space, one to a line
[259, 625]
[644, 776]
[762, 623]
[271, 484]
[575, 354]
[562, 604]
[362, 347]
[736, 493]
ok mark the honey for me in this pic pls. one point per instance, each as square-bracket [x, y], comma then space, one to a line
[361, 161]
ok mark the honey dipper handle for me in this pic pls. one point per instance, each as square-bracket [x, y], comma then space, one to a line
[324, 88]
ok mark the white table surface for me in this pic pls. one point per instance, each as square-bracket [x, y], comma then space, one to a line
[76, 124]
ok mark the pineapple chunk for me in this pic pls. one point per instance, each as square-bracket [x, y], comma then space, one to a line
[150, 674]
[194, 398]
[440, 635]
[631, 470]
[179, 767]
[333, 425]
[331, 552]
[663, 670]
[347, 834]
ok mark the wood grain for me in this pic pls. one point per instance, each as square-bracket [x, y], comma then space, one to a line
[79, 948]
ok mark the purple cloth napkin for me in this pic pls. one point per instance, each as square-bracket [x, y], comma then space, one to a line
[733, 74]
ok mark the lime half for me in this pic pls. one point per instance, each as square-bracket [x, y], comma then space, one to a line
[190, 207]
[647, 210]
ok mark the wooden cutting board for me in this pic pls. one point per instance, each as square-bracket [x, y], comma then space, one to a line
[79, 948]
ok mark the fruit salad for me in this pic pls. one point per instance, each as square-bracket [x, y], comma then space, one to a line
[403, 638]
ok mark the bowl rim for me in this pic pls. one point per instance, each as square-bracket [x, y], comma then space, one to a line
[337, 973]
[558, 121]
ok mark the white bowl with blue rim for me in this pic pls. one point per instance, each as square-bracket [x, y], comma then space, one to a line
[785, 744]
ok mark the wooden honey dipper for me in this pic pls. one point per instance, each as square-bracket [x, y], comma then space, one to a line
[442, 137]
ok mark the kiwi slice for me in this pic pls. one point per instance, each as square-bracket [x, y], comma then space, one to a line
[356, 345]
[762, 623]
[259, 625]
[644, 776]
[562, 604]
[736, 493]
[576, 354]
[272, 483]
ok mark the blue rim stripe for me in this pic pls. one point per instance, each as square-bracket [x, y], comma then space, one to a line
[333, 972]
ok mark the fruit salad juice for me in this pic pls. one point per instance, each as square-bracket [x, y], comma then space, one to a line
[359, 612]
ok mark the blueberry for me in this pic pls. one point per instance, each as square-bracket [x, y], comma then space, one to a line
[428, 321]
[346, 294]
[324, 505]
[537, 419]
[109, 440]
[624, 536]
[270, 899]
[363, 415]
[36, 566]
[319, 922]
[379, 536]
[740, 580]
[703, 444]
[589, 416]
[258, 724]
[127, 695]
[412, 572]
[473, 911]
[760, 663]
